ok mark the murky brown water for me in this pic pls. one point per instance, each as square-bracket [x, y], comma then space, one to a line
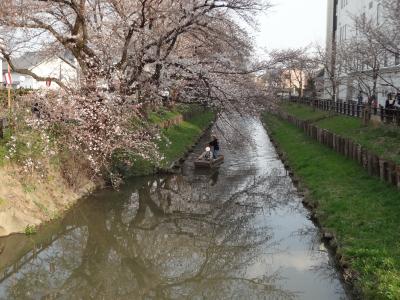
[239, 232]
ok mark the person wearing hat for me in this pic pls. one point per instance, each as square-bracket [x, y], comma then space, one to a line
[215, 146]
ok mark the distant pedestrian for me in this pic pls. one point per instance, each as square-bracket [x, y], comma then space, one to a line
[389, 103]
[372, 99]
[374, 105]
[398, 98]
[389, 107]
[360, 98]
[36, 110]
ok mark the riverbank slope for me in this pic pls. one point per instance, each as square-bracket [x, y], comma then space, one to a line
[28, 200]
[362, 213]
[380, 138]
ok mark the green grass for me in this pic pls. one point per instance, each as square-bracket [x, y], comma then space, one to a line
[362, 211]
[162, 115]
[304, 112]
[30, 230]
[3, 143]
[383, 140]
[28, 187]
[174, 142]
[177, 139]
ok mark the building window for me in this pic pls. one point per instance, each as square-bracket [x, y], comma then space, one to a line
[371, 5]
[343, 33]
[385, 60]
[379, 14]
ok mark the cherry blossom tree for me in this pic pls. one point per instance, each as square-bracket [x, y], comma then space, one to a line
[131, 54]
[289, 70]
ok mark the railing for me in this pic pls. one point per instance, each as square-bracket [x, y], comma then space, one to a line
[351, 108]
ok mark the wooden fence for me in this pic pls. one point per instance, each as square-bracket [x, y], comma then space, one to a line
[387, 171]
[350, 108]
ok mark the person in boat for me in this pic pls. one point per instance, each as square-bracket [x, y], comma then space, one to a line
[214, 144]
[206, 155]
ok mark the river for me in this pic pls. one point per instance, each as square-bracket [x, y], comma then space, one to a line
[237, 232]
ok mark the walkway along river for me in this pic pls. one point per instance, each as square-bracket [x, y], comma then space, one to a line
[239, 232]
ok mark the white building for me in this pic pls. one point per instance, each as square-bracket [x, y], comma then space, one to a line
[62, 67]
[341, 28]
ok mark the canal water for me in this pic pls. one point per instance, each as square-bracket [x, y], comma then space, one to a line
[237, 232]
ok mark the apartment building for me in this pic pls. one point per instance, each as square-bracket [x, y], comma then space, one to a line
[340, 30]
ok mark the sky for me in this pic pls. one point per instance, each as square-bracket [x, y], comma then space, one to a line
[292, 24]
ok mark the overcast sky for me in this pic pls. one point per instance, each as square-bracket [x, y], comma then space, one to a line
[293, 23]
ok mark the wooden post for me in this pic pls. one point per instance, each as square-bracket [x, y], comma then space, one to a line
[359, 154]
[398, 176]
[392, 173]
[370, 164]
[364, 158]
[376, 167]
[346, 147]
[383, 169]
[9, 97]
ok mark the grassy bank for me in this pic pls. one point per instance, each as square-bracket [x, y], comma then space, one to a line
[31, 198]
[303, 112]
[363, 212]
[177, 139]
[384, 140]
[174, 141]
[3, 150]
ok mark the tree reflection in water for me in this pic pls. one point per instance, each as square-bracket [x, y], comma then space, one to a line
[205, 235]
[165, 238]
[325, 268]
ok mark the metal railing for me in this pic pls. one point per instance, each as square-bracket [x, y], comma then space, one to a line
[351, 108]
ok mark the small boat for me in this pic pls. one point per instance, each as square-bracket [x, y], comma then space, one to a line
[209, 163]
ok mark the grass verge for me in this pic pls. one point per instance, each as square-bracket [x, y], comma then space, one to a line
[383, 140]
[3, 149]
[304, 112]
[174, 142]
[363, 212]
[177, 139]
